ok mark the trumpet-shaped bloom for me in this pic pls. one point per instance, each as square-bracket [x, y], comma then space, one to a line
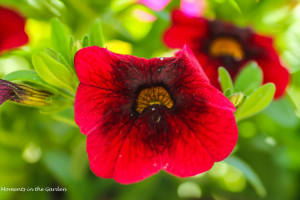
[12, 32]
[216, 43]
[146, 115]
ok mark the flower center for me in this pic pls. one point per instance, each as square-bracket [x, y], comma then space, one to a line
[154, 95]
[226, 46]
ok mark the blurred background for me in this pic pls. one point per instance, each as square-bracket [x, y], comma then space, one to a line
[38, 149]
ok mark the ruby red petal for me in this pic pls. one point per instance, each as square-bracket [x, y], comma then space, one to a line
[206, 135]
[196, 83]
[185, 30]
[91, 104]
[187, 156]
[14, 40]
[187, 57]
[180, 18]
[269, 62]
[266, 45]
[212, 97]
[103, 151]
[12, 29]
[123, 153]
[210, 67]
[137, 160]
[215, 128]
[95, 66]
[177, 36]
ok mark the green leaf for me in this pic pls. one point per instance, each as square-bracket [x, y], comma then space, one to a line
[249, 173]
[249, 79]
[283, 112]
[75, 47]
[71, 41]
[225, 81]
[227, 92]
[63, 61]
[51, 52]
[258, 101]
[58, 104]
[60, 40]
[53, 72]
[96, 38]
[235, 5]
[237, 99]
[29, 76]
[296, 78]
[85, 41]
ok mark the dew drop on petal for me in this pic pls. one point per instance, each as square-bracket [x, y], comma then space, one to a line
[166, 166]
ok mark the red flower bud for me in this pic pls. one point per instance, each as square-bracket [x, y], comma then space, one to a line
[22, 94]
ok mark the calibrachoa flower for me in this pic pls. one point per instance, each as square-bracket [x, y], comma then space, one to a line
[216, 43]
[12, 32]
[143, 115]
[22, 94]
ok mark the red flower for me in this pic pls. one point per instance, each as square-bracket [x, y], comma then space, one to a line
[216, 43]
[141, 116]
[12, 32]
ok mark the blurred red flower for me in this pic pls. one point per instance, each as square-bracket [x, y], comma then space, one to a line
[216, 43]
[143, 115]
[12, 32]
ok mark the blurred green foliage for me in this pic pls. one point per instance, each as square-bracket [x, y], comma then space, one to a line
[40, 150]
